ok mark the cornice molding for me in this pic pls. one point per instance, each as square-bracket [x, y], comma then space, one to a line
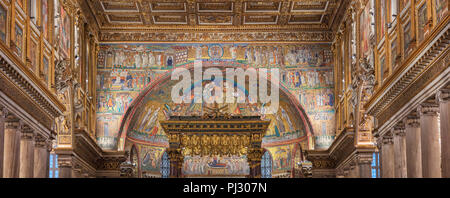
[26, 81]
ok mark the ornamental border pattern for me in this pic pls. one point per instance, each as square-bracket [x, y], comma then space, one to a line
[119, 36]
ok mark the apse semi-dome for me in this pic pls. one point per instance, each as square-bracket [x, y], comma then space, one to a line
[141, 122]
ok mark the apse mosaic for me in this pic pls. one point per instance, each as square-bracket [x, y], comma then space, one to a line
[216, 165]
[150, 158]
[282, 157]
[125, 70]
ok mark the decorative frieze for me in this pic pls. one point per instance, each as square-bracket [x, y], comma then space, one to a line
[294, 36]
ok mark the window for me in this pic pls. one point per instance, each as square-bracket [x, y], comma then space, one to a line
[266, 165]
[32, 10]
[53, 169]
[376, 165]
[394, 10]
[165, 166]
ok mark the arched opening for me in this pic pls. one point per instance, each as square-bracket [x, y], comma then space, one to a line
[140, 126]
[165, 165]
[157, 89]
[266, 165]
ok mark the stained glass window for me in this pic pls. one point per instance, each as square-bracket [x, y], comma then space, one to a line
[165, 166]
[375, 165]
[53, 166]
[266, 165]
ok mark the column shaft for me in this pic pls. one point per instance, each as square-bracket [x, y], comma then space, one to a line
[387, 157]
[431, 148]
[400, 151]
[2, 137]
[10, 148]
[26, 153]
[445, 131]
[365, 170]
[413, 148]
[40, 158]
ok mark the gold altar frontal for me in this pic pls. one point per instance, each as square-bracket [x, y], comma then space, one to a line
[214, 134]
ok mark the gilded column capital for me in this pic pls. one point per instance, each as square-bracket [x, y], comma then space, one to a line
[387, 138]
[399, 129]
[64, 162]
[443, 95]
[49, 145]
[412, 121]
[364, 158]
[40, 141]
[27, 132]
[11, 122]
[428, 109]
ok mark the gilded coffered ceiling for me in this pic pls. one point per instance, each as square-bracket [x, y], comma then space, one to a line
[216, 16]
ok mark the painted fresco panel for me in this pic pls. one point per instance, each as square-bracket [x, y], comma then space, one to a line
[44, 17]
[34, 56]
[215, 165]
[150, 158]
[407, 38]
[441, 7]
[364, 23]
[64, 32]
[423, 19]
[45, 66]
[3, 22]
[382, 17]
[18, 33]
[282, 157]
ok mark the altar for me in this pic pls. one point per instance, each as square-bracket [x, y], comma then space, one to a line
[215, 134]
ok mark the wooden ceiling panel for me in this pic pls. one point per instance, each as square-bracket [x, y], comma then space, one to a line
[213, 15]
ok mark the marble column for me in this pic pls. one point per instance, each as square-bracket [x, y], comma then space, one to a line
[353, 170]
[49, 149]
[387, 158]
[2, 135]
[347, 172]
[10, 148]
[65, 166]
[400, 151]
[340, 173]
[40, 157]
[431, 148]
[444, 108]
[26, 153]
[365, 165]
[413, 147]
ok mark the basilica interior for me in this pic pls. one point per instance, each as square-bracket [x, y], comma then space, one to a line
[86, 89]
